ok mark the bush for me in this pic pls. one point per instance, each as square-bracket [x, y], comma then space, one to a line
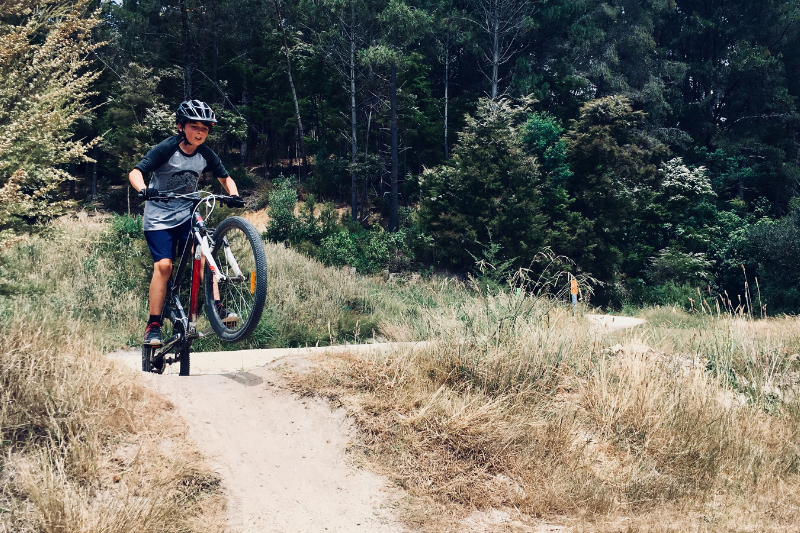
[243, 178]
[774, 252]
[679, 268]
[368, 251]
[124, 247]
[282, 224]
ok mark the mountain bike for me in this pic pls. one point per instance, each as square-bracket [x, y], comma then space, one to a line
[230, 263]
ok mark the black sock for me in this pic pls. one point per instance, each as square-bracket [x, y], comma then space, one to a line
[217, 303]
[154, 319]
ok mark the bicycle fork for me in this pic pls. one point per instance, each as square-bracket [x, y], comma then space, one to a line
[201, 252]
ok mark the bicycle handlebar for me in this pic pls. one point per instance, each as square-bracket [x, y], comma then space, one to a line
[195, 197]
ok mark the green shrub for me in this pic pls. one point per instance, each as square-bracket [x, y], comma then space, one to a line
[339, 249]
[123, 246]
[368, 251]
[243, 178]
[491, 185]
[679, 267]
[282, 224]
[128, 226]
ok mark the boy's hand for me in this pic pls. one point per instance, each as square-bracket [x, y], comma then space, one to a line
[147, 193]
[235, 201]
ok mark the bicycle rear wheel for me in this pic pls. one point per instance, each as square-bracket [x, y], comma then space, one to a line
[240, 256]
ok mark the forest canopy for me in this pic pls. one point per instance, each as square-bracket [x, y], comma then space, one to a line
[653, 143]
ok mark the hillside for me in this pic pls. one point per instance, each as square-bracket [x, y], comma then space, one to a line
[687, 423]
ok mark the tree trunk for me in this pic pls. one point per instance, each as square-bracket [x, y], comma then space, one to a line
[367, 178]
[495, 46]
[215, 56]
[394, 194]
[354, 132]
[446, 97]
[300, 132]
[245, 101]
[94, 175]
[188, 69]
[243, 146]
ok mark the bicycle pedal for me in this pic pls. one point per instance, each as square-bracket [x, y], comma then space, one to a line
[206, 332]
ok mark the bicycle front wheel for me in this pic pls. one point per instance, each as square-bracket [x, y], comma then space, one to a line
[240, 256]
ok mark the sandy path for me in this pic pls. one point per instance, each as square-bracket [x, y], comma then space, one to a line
[608, 323]
[282, 458]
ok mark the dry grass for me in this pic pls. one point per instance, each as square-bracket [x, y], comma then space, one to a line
[687, 424]
[85, 447]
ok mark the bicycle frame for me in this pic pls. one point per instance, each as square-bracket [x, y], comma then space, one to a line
[198, 247]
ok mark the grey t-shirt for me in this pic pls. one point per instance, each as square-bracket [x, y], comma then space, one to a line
[175, 172]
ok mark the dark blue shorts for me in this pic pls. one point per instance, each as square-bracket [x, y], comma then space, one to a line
[164, 243]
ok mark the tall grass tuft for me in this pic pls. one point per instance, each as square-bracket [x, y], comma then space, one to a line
[79, 448]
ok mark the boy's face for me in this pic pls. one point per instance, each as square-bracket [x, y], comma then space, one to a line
[196, 132]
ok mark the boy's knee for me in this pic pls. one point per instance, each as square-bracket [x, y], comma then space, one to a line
[163, 267]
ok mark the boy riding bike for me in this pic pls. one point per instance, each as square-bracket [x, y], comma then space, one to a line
[176, 164]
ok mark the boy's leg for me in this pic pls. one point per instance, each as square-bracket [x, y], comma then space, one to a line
[228, 317]
[162, 270]
[162, 248]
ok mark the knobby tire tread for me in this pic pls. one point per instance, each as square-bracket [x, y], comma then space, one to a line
[260, 294]
[146, 365]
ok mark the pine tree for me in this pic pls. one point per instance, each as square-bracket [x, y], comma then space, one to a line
[488, 193]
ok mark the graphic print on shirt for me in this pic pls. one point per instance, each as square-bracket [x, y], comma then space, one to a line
[182, 182]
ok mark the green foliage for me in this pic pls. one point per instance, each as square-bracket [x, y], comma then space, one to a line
[304, 228]
[614, 182]
[134, 118]
[367, 251]
[770, 251]
[244, 179]
[282, 225]
[491, 186]
[490, 272]
[679, 267]
[45, 80]
[124, 246]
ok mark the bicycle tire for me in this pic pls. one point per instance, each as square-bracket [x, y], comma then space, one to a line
[147, 366]
[183, 369]
[243, 295]
[147, 363]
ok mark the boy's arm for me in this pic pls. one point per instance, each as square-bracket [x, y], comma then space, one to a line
[136, 179]
[229, 185]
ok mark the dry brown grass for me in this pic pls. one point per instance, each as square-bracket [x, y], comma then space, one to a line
[86, 448]
[518, 406]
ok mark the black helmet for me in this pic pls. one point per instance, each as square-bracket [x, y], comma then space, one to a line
[195, 110]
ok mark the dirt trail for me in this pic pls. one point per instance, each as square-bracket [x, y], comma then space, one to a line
[609, 323]
[283, 458]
